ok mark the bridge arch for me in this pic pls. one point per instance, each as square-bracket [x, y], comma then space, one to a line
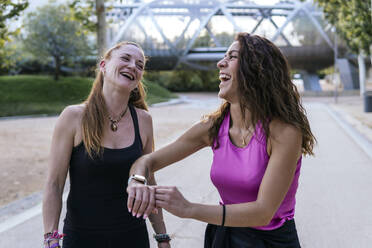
[188, 32]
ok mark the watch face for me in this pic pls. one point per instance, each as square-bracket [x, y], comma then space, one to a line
[139, 178]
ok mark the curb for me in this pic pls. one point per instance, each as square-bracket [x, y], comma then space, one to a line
[364, 143]
[6, 118]
[23, 209]
[174, 101]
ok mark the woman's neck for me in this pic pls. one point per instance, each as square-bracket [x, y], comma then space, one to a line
[116, 101]
[237, 119]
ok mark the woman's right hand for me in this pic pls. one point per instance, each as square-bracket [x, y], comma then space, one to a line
[141, 199]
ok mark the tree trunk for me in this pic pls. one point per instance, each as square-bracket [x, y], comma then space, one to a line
[57, 70]
[362, 74]
[101, 26]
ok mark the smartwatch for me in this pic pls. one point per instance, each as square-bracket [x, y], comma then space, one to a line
[162, 237]
[138, 178]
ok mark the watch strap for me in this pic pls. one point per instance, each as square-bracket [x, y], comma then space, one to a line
[162, 237]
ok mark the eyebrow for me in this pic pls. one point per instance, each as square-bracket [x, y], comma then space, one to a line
[127, 54]
[231, 51]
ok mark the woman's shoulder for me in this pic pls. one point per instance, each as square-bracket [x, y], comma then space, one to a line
[72, 112]
[143, 115]
[282, 130]
[71, 115]
[69, 120]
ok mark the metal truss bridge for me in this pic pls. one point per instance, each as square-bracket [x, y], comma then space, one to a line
[196, 33]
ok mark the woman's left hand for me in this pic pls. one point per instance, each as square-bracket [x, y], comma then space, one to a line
[164, 245]
[169, 198]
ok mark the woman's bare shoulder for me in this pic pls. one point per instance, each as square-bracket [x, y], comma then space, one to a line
[71, 115]
[143, 115]
[72, 112]
[282, 131]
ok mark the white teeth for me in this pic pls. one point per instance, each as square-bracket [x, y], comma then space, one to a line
[130, 76]
[224, 76]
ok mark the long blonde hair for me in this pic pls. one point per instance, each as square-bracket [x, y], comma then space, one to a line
[95, 113]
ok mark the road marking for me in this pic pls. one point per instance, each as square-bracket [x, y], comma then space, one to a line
[26, 215]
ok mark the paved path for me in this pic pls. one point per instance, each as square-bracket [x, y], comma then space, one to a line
[333, 201]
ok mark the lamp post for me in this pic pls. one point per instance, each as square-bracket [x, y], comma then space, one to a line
[335, 52]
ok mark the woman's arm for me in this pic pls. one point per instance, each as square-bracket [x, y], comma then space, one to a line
[156, 219]
[139, 196]
[146, 129]
[59, 158]
[285, 145]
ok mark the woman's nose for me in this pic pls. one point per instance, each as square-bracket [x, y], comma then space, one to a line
[131, 64]
[221, 63]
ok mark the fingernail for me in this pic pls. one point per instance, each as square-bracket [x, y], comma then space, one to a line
[138, 215]
[130, 210]
[145, 217]
[133, 214]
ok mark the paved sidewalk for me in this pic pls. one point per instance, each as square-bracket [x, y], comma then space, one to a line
[332, 202]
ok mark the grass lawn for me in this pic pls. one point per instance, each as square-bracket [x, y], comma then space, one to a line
[29, 94]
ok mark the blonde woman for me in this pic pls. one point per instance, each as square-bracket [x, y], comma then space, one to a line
[97, 143]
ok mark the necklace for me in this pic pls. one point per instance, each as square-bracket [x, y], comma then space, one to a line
[245, 137]
[114, 123]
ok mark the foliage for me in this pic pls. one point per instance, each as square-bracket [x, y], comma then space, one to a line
[185, 80]
[353, 21]
[51, 33]
[84, 12]
[9, 10]
[26, 94]
[91, 14]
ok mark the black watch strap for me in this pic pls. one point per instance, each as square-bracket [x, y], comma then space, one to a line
[162, 237]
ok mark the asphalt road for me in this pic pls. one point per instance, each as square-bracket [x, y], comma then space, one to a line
[333, 200]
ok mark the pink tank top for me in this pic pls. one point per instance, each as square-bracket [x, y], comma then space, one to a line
[237, 173]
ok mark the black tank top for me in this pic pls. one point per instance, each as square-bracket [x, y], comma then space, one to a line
[97, 200]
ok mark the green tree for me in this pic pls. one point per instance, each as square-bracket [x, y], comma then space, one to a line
[9, 10]
[51, 33]
[92, 15]
[353, 21]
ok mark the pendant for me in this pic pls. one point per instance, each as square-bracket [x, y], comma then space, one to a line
[113, 126]
[244, 144]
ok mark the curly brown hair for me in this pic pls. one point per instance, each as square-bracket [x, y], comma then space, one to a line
[266, 90]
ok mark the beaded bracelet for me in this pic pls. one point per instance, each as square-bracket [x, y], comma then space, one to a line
[53, 236]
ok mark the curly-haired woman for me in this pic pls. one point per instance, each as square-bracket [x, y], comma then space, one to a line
[258, 136]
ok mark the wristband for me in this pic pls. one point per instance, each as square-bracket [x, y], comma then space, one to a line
[162, 237]
[49, 236]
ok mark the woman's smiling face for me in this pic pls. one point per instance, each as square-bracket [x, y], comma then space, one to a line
[124, 67]
[228, 73]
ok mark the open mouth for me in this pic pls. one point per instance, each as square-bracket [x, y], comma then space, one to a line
[224, 77]
[127, 75]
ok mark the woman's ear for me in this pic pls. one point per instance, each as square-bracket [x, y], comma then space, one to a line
[102, 66]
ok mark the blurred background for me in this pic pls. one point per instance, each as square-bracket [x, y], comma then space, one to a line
[49, 52]
[49, 49]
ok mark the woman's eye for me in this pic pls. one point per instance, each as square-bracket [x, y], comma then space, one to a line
[233, 57]
[140, 67]
[125, 58]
